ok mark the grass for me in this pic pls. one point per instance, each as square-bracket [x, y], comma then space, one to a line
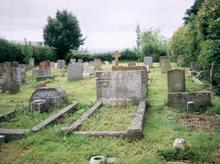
[110, 118]
[160, 130]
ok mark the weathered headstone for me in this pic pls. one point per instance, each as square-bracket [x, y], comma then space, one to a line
[72, 61]
[148, 60]
[74, 72]
[116, 55]
[80, 61]
[44, 98]
[61, 63]
[42, 74]
[18, 75]
[97, 64]
[52, 64]
[176, 80]
[164, 64]
[44, 64]
[119, 86]
[88, 69]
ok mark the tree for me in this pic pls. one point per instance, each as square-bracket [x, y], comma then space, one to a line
[63, 33]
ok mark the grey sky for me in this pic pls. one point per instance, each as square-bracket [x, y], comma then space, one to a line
[107, 24]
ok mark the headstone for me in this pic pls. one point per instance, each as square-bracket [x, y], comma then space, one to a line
[116, 56]
[164, 64]
[97, 64]
[176, 80]
[52, 64]
[180, 60]
[31, 63]
[44, 65]
[18, 75]
[179, 143]
[119, 86]
[42, 74]
[80, 61]
[148, 60]
[88, 69]
[106, 62]
[44, 98]
[191, 107]
[74, 72]
[61, 63]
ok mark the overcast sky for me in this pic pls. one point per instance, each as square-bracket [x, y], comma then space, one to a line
[107, 24]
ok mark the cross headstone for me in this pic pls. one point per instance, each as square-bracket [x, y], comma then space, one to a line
[116, 56]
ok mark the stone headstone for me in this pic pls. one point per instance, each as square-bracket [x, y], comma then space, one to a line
[42, 74]
[191, 107]
[31, 62]
[52, 64]
[164, 64]
[176, 80]
[44, 99]
[148, 60]
[80, 61]
[97, 64]
[88, 69]
[61, 63]
[18, 75]
[116, 55]
[119, 86]
[74, 72]
[44, 65]
[106, 62]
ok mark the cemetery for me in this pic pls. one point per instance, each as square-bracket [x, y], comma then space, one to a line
[102, 97]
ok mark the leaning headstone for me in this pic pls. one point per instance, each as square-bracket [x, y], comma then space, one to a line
[61, 63]
[176, 80]
[74, 72]
[148, 60]
[97, 64]
[44, 98]
[164, 64]
[116, 55]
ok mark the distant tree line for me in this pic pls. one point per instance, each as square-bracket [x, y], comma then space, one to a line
[199, 39]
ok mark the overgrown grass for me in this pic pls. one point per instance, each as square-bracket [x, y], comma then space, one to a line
[160, 130]
[110, 118]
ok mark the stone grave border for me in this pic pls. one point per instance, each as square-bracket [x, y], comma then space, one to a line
[134, 131]
[11, 133]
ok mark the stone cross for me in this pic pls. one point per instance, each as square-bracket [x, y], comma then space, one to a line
[116, 56]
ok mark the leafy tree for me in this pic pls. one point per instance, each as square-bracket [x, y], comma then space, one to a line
[63, 33]
[152, 44]
[27, 52]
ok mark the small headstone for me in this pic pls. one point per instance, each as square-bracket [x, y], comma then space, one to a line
[72, 61]
[191, 107]
[18, 75]
[61, 63]
[97, 64]
[176, 80]
[54, 97]
[52, 64]
[179, 144]
[148, 60]
[80, 61]
[74, 72]
[164, 64]
[116, 56]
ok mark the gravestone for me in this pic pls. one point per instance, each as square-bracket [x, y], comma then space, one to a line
[42, 74]
[61, 63]
[116, 55]
[148, 60]
[44, 64]
[89, 69]
[164, 64]
[106, 62]
[117, 86]
[74, 72]
[18, 75]
[97, 64]
[52, 64]
[31, 63]
[44, 98]
[176, 80]
[80, 61]
[180, 60]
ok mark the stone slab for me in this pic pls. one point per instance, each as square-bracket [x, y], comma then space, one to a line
[102, 133]
[79, 121]
[197, 81]
[13, 133]
[135, 131]
[54, 117]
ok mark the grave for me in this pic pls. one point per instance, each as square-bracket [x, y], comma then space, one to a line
[97, 64]
[72, 61]
[116, 55]
[44, 65]
[42, 74]
[80, 61]
[74, 72]
[148, 60]
[61, 64]
[164, 64]
[176, 80]
[52, 64]
[18, 75]
[88, 69]
[45, 98]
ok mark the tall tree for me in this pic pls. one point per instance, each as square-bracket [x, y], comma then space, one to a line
[63, 33]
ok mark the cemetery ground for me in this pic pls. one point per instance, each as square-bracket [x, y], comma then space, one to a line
[161, 127]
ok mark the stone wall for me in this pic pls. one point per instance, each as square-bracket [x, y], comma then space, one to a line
[119, 86]
[180, 99]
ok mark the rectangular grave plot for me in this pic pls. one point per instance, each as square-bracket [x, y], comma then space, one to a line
[110, 118]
